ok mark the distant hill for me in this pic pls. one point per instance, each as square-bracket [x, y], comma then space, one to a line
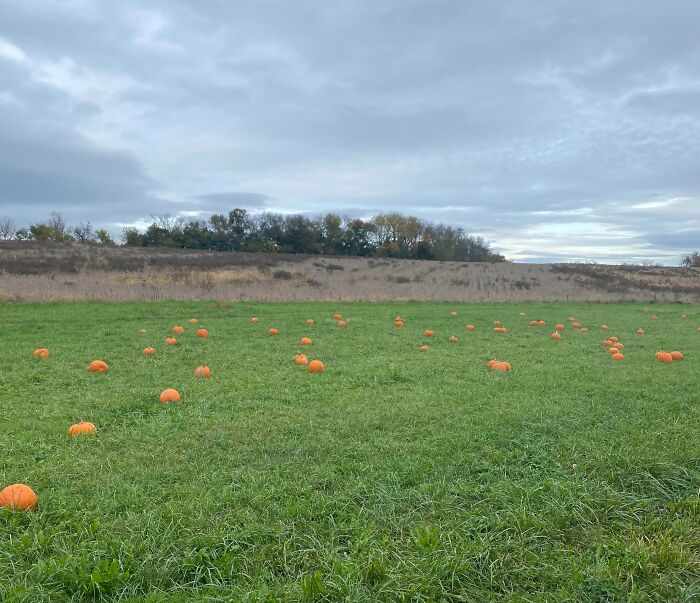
[55, 271]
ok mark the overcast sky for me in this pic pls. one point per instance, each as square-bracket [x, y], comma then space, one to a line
[557, 130]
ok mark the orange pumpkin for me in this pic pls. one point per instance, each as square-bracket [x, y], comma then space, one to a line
[399, 324]
[203, 372]
[273, 332]
[202, 333]
[501, 367]
[18, 497]
[491, 363]
[470, 327]
[559, 327]
[254, 319]
[584, 329]
[82, 428]
[149, 351]
[423, 348]
[178, 330]
[603, 327]
[619, 345]
[301, 359]
[655, 318]
[316, 366]
[428, 333]
[534, 323]
[310, 321]
[496, 323]
[541, 323]
[453, 339]
[618, 356]
[337, 316]
[556, 336]
[192, 321]
[664, 357]
[613, 351]
[342, 324]
[613, 339]
[677, 355]
[170, 341]
[501, 330]
[169, 395]
[305, 341]
[98, 366]
[576, 325]
[607, 342]
[41, 353]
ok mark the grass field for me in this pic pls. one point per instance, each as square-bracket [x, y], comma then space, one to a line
[397, 475]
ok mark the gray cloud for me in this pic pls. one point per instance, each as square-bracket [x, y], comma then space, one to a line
[540, 125]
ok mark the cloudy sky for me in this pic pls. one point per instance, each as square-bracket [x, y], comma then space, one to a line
[556, 130]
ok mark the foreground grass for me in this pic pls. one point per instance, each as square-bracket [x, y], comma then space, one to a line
[395, 476]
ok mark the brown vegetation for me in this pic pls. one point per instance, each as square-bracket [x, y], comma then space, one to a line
[45, 271]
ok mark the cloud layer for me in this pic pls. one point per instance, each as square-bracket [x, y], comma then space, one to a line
[558, 131]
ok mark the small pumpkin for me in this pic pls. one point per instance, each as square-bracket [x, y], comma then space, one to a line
[305, 341]
[584, 329]
[301, 359]
[142, 331]
[496, 323]
[18, 497]
[316, 366]
[501, 330]
[98, 366]
[423, 348]
[534, 323]
[677, 355]
[453, 339]
[613, 339]
[202, 333]
[654, 317]
[683, 317]
[541, 323]
[428, 333]
[617, 356]
[342, 324]
[178, 330]
[337, 316]
[556, 336]
[613, 350]
[170, 341]
[82, 428]
[203, 372]
[310, 321]
[576, 325]
[664, 357]
[149, 351]
[620, 345]
[169, 395]
[607, 342]
[398, 324]
[254, 319]
[453, 314]
[559, 327]
[41, 353]
[470, 327]
[639, 331]
[522, 314]
[603, 327]
[193, 321]
[273, 331]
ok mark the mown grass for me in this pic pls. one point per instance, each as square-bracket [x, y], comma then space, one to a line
[397, 475]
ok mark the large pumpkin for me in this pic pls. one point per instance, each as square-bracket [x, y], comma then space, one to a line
[316, 366]
[82, 428]
[664, 357]
[677, 355]
[202, 333]
[98, 366]
[169, 395]
[18, 497]
[305, 341]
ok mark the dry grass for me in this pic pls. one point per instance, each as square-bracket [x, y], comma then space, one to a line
[74, 272]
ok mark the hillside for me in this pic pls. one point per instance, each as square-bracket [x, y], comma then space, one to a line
[45, 271]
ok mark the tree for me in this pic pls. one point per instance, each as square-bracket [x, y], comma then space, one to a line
[83, 233]
[7, 228]
[691, 260]
[103, 237]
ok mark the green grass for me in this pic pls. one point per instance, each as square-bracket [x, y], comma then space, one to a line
[397, 475]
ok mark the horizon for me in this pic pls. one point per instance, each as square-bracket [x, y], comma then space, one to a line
[558, 133]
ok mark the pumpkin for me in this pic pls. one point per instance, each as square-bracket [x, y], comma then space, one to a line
[202, 333]
[41, 353]
[576, 325]
[169, 395]
[501, 367]
[192, 321]
[655, 318]
[613, 351]
[316, 366]
[522, 314]
[82, 428]
[470, 327]
[584, 329]
[664, 357]
[491, 363]
[170, 341]
[613, 339]
[618, 356]
[541, 323]
[149, 351]
[559, 327]
[607, 343]
[305, 341]
[453, 339]
[310, 321]
[342, 324]
[428, 333]
[639, 331]
[570, 318]
[301, 359]
[337, 316]
[556, 335]
[677, 355]
[203, 372]
[142, 331]
[423, 348]
[399, 324]
[603, 327]
[501, 330]
[683, 317]
[620, 345]
[453, 314]
[273, 332]
[496, 323]
[178, 330]
[254, 319]
[534, 323]
[98, 366]
[18, 497]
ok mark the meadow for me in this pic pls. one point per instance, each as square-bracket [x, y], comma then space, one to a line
[395, 475]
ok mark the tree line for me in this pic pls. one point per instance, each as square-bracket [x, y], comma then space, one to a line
[386, 235]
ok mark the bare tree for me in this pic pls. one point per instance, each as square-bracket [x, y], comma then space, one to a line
[7, 228]
[83, 232]
[691, 260]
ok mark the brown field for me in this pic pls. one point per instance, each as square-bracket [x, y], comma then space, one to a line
[45, 271]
